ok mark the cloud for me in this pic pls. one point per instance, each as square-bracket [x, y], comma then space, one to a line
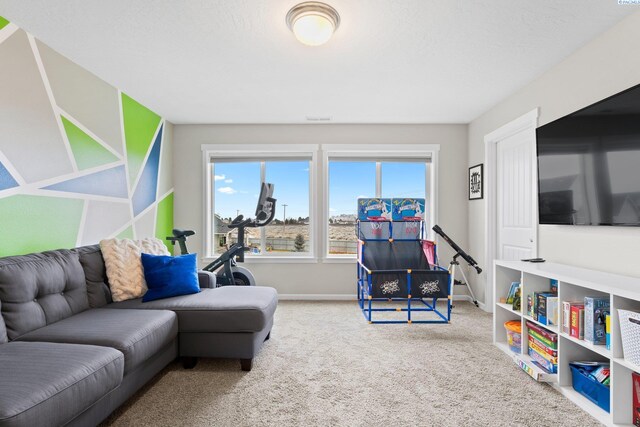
[219, 177]
[228, 181]
[305, 170]
[227, 190]
[333, 210]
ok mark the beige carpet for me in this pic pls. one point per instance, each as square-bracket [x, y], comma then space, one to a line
[325, 366]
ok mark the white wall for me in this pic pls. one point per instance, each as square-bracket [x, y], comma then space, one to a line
[318, 278]
[608, 64]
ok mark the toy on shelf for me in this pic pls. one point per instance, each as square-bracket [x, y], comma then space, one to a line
[595, 312]
[396, 264]
[543, 347]
[514, 335]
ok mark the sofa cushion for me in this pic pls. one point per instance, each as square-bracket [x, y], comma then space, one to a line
[39, 289]
[124, 268]
[3, 329]
[225, 309]
[138, 334]
[50, 384]
[95, 274]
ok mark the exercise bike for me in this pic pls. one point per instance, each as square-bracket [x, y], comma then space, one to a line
[228, 271]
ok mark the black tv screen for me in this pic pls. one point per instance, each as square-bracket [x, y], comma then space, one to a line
[589, 164]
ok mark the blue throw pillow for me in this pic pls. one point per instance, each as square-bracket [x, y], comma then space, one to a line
[169, 276]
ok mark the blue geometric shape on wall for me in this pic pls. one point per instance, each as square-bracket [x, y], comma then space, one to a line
[6, 180]
[111, 183]
[145, 193]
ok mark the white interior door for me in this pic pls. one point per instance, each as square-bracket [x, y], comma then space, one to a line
[516, 198]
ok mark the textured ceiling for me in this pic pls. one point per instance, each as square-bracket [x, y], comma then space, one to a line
[393, 61]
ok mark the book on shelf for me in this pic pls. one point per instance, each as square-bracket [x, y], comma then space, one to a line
[547, 308]
[553, 312]
[517, 300]
[577, 321]
[512, 292]
[553, 285]
[566, 317]
[595, 311]
[542, 362]
[541, 350]
[550, 351]
[549, 338]
[635, 379]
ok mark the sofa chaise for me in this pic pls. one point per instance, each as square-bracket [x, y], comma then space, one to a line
[69, 355]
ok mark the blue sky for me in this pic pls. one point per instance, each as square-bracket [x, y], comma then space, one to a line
[237, 185]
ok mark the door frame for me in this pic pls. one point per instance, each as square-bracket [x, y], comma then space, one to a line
[527, 122]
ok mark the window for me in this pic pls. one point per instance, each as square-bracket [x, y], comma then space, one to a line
[290, 231]
[350, 179]
[233, 173]
[233, 186]
[404, 179]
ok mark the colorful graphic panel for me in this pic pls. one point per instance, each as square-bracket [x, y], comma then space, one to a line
[87, 151]
[70, 145]
[140, 125]
[6, 180]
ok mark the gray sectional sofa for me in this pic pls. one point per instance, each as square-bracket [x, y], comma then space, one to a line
[70, 356]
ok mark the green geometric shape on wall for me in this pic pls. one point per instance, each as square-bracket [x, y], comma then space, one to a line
[127, 233]
[86, 150]
[3, 22]
[164, 219]
[36, 223]
[140, 125]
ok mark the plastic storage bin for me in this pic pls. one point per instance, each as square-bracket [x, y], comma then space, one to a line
[630, 333]
[591, 389]
[514, 335]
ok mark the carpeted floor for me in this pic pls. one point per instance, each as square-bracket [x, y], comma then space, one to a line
[325, 366]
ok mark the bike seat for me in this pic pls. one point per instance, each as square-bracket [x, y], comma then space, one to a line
[183, 233]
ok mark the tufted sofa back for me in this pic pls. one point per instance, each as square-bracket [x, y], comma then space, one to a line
[39, 289]
[3, 329]
[95, 273]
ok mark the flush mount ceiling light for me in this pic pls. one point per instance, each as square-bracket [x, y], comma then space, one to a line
[312, 22]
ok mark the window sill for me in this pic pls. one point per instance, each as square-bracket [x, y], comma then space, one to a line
[272, 260]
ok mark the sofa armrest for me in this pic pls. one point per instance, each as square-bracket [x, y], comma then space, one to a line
[206, 279]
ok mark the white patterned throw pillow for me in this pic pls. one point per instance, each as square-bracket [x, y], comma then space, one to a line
[124, 267]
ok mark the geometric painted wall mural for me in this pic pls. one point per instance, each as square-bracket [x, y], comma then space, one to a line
[80, 161]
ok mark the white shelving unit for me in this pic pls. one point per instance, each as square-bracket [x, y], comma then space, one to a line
[573, 285]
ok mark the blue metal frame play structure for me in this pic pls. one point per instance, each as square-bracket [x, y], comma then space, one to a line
[396, 263]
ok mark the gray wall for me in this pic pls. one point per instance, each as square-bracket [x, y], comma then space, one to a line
[318, 278]
[606, 65]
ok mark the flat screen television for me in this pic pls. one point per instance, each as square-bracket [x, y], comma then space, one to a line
[589, 164]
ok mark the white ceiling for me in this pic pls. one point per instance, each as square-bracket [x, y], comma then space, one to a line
[391, 61]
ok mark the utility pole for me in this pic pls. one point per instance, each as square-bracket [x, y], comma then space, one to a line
[284, 206]
[237, 212]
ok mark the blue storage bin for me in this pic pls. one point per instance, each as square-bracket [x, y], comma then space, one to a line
[591, 389]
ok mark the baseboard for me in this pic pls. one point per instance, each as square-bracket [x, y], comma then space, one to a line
[317, 297]
[347, 297]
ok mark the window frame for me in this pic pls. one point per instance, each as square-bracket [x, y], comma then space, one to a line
[378, 153]
[260, 153]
